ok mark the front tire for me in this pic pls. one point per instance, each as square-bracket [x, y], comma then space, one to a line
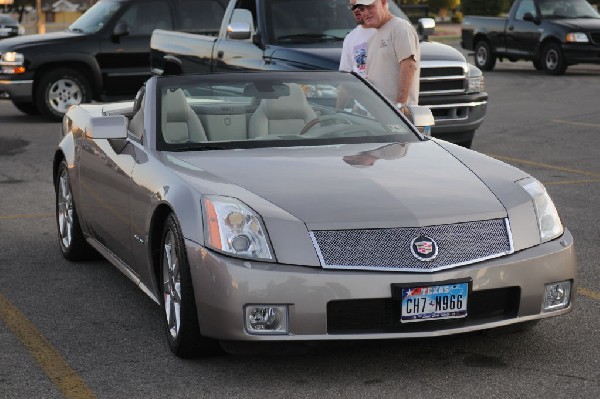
[553, 60]
[180, 315]
[60, 88]
[484, 59]
[70, 237]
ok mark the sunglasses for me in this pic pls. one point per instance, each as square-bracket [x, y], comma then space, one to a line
[360, 7]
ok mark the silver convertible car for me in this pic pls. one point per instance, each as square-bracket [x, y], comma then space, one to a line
[303, 206]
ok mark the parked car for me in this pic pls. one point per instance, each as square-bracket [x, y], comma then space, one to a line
[251, 208]
[286, 35]
[552, 33]
[104, 55]
[9, 27]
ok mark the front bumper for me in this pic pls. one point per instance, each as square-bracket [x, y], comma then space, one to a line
[456, 117]
[19, 90]
[581, 53]
[318, 298]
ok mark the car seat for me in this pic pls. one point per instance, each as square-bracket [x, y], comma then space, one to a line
[180, 124]
[283, 115]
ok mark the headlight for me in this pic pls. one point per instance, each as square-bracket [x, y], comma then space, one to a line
[231, 227]
[12, 63]
[577, 37]
[475, 81]
[475, 84]
[549, 222]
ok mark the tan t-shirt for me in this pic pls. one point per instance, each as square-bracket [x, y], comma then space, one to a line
[395, 41]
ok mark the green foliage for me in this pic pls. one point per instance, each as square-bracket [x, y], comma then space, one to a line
[485, 7]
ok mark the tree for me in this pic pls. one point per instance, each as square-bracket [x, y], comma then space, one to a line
[436, 5]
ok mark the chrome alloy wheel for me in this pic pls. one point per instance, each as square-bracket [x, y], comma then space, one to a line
[65, 210]
[552, 59]
[63, 93]
[171, 285]
[482, 55]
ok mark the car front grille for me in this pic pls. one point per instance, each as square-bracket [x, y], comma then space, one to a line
[439, 79]
[382, 315]
[390, 249]
[595, 37]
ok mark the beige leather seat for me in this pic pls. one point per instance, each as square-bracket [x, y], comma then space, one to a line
[180, 124]
[283, 115]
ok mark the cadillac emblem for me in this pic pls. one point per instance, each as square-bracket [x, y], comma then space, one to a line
[424, 248]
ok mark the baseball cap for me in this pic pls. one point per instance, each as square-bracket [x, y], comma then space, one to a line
[363, 3]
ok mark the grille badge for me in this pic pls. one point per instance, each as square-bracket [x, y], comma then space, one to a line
[424, 248]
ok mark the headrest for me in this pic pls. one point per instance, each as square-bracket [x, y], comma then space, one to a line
[292, 106]
[176, 106]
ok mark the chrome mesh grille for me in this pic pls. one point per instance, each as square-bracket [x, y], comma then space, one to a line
[390, 249]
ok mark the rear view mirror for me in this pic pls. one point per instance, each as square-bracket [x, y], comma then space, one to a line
[238, 31]
[426, 27]
[121, 29]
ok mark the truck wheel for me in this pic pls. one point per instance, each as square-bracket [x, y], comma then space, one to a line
[484, 59]
[537, 64]
[60, 88]
[26, 108]
[553, 60]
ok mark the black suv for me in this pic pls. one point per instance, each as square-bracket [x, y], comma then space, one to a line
[104, 55]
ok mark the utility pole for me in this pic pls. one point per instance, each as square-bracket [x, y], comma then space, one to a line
[41, 26]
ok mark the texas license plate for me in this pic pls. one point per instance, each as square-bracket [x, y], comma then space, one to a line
[434, 302]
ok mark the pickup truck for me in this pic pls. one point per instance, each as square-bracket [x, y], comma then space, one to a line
[552, 33]
[104, 55]
[308, 34]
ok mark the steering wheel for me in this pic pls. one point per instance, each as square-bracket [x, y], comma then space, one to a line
[324, 118]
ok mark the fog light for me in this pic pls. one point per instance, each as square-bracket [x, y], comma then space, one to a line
[266, 319]
[557, 296]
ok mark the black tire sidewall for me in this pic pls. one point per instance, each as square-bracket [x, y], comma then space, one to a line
[79, 249]
[560, 65]
[490, 60]
[48, 79]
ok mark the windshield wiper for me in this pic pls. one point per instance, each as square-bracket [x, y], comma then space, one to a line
[310, 36]
[198, 147]
[76, 30]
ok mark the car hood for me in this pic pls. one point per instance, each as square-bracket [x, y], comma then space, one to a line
[580, 23]
[327, 55]
[35, 40]
[397, 185]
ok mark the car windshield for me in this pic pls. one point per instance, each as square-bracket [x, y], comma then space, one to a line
[567, 9]
[7, 20]
[96, 17]
[277, 109]
[309, 21]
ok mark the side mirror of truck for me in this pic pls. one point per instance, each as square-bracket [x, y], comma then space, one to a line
[530, 18]
[121, 29]
[239, 31]
[425, 27]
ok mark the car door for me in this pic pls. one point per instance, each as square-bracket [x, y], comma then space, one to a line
[105, 173]
[522, 36]
[125, 59]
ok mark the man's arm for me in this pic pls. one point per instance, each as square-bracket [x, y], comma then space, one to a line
[408, 69]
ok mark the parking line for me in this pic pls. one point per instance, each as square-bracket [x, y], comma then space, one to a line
[597, 125]
[588, 293]
[48, 358]
[27, 216]
[564, 182]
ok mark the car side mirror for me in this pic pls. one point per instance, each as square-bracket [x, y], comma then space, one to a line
[530, 18]
[121, 29]
[422, 118]
[239, 31]
[425, 27]
[107, 127]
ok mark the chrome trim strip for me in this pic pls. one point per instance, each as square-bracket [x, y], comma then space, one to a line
[472, 104]
[16, 82]
[449, 77]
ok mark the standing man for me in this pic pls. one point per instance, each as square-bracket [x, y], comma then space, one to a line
[393, 61]
[354, 50]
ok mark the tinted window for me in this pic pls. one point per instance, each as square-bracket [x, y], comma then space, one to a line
[200, 16]
[142, 18]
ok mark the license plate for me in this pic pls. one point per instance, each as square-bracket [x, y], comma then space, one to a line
[434, 302]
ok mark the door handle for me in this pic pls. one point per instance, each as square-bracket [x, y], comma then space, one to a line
[220, 54]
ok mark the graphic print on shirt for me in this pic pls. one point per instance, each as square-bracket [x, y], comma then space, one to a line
[360, 58]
